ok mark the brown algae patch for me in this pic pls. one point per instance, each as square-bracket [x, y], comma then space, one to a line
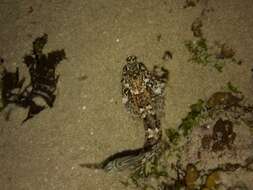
[205, 52]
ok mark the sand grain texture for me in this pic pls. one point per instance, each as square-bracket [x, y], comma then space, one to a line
[88, 121]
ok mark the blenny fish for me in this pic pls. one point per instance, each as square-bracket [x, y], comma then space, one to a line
[143, 97]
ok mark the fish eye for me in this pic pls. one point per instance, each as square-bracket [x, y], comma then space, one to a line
[131, 59]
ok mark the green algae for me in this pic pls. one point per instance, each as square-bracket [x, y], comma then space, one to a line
[192, 118]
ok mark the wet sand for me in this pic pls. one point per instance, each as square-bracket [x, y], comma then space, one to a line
[88, 121]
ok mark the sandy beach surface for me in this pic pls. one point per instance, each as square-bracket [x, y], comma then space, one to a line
[88, 121]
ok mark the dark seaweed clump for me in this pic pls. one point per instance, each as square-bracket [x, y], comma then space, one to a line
[196, 28]
[43, 80]
[167, 56]
[190, 3]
